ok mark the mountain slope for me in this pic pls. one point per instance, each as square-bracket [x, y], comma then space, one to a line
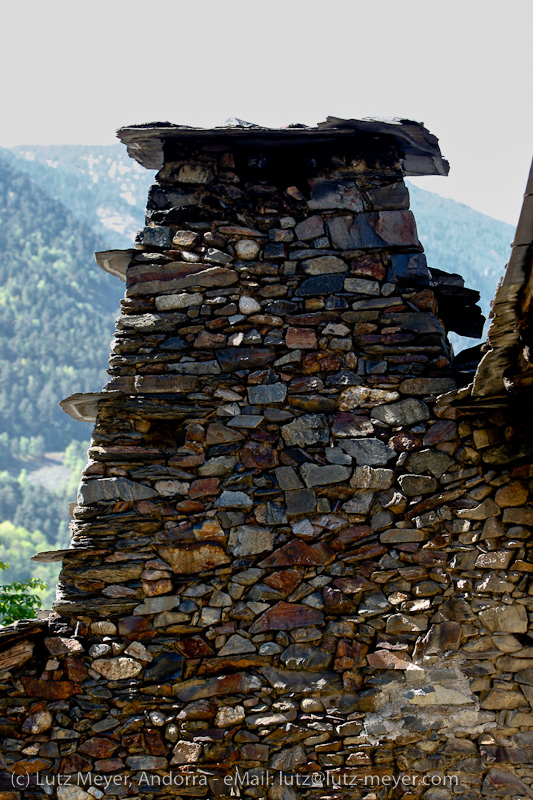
[458, 239]
[56, 312]
[100, 185]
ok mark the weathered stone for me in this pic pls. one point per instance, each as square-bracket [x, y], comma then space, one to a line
[364, 397]
[495, 559]
[369, 452]
[99, 489]
[170, 384]
[230, 499]
[366, 477]
[301, 338]
[250, 540]
[324, 265]
[507, 619]
[286, 616]
[430, 461]
[427, 386]
[412, 485]
[227, 716]
[193, 558]
[235, 645]
[170, 302]
[361, 286]
[116, 669]
[484, 510]
[266, 393]
[306, 430]
[310, 228]
[186, 753]
[314, 475]
[300, 502]
[405, 623]
[17, 655]
[512, 494]
[299, 656]
[39, 722]
[405, 412]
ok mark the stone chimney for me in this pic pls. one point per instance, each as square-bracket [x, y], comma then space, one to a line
[274, 546]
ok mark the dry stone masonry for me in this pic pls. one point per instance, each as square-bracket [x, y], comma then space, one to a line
[288, 561]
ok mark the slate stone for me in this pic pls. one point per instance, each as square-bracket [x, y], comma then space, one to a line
[359, 503]
[366, 477]
[98, 489]
[371, 452]
[169, 302]
[298, 656]
[306, 430]
[310, 228]
[288, 479]
[405, 412]
[412, 485]
[324, 265]
[427, 386]
[266, 393]
[302, 501]
[314, 475]
[320, 285]
[249, 540]
[431, 461]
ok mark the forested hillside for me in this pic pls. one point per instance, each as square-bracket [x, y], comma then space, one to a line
[57, 206]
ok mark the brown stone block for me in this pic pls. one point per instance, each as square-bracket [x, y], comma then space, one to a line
[50, 690]
[286, 616]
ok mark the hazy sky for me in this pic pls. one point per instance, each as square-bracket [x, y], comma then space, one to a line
[75, 71]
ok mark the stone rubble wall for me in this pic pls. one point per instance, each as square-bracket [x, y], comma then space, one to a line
[284, 555]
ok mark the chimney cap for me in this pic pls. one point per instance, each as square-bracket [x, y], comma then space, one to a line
[420, 150]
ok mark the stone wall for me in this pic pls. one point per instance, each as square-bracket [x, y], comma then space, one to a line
[286, 558]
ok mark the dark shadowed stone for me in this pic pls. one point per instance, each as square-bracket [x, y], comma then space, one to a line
[302, 501]
[405, 412]
[412, 485]
[320, 284]
[442, 431]
[372, 452]
[332, 194]
[310, 228]
[427, 386]
[298, 656]
[389, 196]
[169, 665]
[347, 424]
[112, 489]
[409, 269]
[235, 358]
[429, 461]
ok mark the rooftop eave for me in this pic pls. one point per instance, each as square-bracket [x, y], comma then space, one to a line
[420, 149]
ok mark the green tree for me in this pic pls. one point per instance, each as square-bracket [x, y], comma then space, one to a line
[16, 599]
